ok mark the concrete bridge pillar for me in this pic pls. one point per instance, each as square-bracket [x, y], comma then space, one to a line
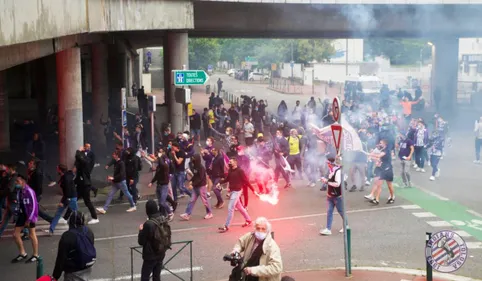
[100, 93]
[176, 56]
[4, 115]
[69, 90]
[445, 74]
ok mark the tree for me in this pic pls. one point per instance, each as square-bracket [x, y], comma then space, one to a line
[313, 49]
[399, 51]
[203, 52]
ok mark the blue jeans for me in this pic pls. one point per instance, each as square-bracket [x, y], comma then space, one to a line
[234, 202]
[216, 191]
[199, 192]
[434, 160]
[161, 192]
[178, 181]
[133, 188]
[71, 203]
[332, 203]
[116, 186]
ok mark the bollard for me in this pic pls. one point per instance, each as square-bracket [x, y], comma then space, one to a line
[40, 267]
[348, 237]
[428, 236]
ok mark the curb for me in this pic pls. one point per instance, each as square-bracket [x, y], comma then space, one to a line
[406, 271]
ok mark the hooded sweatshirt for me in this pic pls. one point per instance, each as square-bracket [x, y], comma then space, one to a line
[199, 172]
[145, 237]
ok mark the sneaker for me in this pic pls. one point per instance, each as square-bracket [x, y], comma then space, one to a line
[62, 221]
[220, 206]
[368, 197]
[49, 232]
[391, 200]
[432, 178]
[19, 258]
[325, 232]
[132, 209]
[170, 217]
[422, 170]
[185, 216]
[312, 184]
[352, 189]
[22, 162]
[247, 223]
[428, 163]
[93, 221]
[415, 166]
[223, 229]
[32, 259]
[52, 183]
[374, 201]
[208, 216]
[477, 161]
[101, 210]
[182, 195]
[25, 237]
[96, 165]
[367, 183]
[341, 230]
[418, 170]
[209, 195]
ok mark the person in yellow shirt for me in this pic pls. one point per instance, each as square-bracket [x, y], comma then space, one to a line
[294, 157]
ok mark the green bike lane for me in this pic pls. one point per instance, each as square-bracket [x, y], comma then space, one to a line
[450, 211]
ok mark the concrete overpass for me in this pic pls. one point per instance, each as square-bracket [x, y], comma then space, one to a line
[58, 50]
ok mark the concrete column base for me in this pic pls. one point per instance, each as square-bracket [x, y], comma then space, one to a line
[4, 115]
[100, 94]
[445, 75]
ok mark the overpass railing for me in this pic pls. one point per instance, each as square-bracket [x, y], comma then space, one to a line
[183, 244]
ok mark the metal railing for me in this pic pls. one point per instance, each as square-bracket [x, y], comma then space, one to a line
[184, 244]
[285, 86]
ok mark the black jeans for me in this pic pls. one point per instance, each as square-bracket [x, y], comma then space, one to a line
[84, 193]
[153, 267]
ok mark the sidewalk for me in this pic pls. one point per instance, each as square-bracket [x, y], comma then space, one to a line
[370, 274]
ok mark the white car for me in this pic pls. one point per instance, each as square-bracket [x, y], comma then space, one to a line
[255, 76]
[231, 72]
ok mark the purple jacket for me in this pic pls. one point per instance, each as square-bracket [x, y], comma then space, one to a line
[29, 199]
[425, 137]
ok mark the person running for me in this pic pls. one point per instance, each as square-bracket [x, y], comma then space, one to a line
[383, 172]
[217, 174]
[420, 143]
[199, 183]
[118, 183]
[281, 151]
[69, 198]
[161, 177]
[334, 195]
[236, 179]
[436, 150]
[405, 154]
[179, 177]
[133, 167]
[27, 215]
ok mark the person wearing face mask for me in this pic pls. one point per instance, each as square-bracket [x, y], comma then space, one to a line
[217, 174]
[281, 151]
[69, 198]
[167, 136]
[207, 154]
[161, 178]
[236, 179]
[27, 212]
[199, 183]
[261, 254]
[334, 194]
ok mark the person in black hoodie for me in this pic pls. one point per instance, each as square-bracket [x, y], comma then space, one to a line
[151, 255]
[161, 177]
[69, 198]
[281, 151]
[67, 251]
[118, 183]
[10, 196]
[34, 180]
[133, 166]
[84, 163]
[199, 186]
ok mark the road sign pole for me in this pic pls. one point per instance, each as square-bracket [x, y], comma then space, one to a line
[428, 236]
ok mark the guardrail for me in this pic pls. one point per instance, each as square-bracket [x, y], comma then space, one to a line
[185, 244]
[285, 86]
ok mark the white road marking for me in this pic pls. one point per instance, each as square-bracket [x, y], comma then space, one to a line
[138, 276]
[474, 213]
[462, 233]
[275, 219]
[439, 223]
[424, 215]
[474, 245]
[411, 207]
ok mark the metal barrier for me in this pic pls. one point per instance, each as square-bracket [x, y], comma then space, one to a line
[285, 86]
[138, 249]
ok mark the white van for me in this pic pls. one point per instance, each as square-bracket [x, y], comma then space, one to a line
[368, 85]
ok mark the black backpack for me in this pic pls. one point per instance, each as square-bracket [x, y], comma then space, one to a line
[162, 235]
[85, 253]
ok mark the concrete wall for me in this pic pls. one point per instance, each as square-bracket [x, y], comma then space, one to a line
[26, 20]
[116, 15]
[285, 70]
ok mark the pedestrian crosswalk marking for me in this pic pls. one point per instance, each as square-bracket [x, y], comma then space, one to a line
[474, 245]
[439, 223]
[410, 207]
[463, 233]
[424, 215]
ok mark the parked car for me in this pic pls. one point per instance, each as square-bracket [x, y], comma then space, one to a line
[231, 72]
[256, 76]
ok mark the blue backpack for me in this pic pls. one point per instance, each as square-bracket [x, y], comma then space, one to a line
[86, 254]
